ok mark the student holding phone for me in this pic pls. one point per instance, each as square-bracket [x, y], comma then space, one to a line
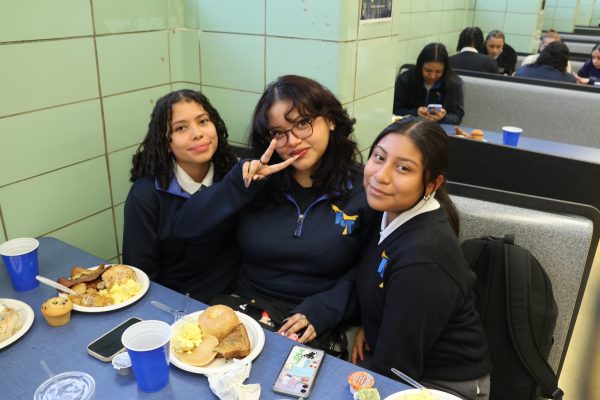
[432, 81]
[414, 285]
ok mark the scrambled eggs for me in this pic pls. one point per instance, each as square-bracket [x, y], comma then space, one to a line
[187, 337]
[120, 293]
[422, 395]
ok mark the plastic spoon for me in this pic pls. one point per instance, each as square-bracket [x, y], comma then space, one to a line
[408, 379]
[55, 285]
[48, 370]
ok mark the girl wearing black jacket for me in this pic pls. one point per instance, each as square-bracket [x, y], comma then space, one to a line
[431, 81]
[414, 286]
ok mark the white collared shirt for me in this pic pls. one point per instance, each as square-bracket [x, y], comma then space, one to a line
[188, 184]
[421, 207]
[470, 49]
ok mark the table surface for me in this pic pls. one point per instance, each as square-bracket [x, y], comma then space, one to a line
[64, 348]
[572, 151]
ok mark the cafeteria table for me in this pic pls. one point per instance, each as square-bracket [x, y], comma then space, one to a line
[64, 348]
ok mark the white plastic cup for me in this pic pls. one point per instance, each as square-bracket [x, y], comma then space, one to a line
[147, 343]
[511, 135]
[21, 259]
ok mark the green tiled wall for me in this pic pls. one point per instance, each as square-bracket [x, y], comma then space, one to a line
[560, 15]
[83, 77]
[596, 14]
[584, 12]
[520, 20]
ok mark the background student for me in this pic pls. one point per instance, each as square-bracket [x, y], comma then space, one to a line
[496, 47]
[469, 58]
[590, 71]
[550, 65]
[430, 81]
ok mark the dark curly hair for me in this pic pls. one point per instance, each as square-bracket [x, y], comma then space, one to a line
[432, 142]
[556, 54]
[153, 157]
[339, 163]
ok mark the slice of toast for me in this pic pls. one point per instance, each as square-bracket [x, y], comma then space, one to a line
[235, 345]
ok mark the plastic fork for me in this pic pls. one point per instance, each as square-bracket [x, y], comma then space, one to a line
[408, 379]
[177, 314]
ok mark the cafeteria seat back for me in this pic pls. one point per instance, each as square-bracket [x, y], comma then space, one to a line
[563, 236]
[561, 112]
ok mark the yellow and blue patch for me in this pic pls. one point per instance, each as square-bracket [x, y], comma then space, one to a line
[382, 266]
[344, 220]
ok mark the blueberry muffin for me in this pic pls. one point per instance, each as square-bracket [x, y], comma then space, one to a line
[57, 311]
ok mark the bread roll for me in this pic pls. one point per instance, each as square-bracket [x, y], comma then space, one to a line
[10, 322]
[118, 274]
[477, 134]
[218, 321]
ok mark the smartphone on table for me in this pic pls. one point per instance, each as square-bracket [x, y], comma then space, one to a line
[109, 345]
[434, 108]
[299, 372]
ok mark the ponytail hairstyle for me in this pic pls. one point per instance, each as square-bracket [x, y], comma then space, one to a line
[432, 142]
[470, 37]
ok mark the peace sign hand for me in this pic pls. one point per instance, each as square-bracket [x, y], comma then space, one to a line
[255, 170]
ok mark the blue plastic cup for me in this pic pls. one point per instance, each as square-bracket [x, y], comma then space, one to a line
[147, 343]
[21, 259]
[511, 135]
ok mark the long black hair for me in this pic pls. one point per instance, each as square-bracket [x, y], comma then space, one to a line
[339, 163]
[451, 83]
[153, 157]
[432, 142]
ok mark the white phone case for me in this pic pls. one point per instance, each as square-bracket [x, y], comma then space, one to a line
[299, 372]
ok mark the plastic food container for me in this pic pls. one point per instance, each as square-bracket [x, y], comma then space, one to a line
[122, 363]
[72, 385]
[360, 380]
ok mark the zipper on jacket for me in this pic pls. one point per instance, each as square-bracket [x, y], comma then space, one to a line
[298, 230]
[301, 216]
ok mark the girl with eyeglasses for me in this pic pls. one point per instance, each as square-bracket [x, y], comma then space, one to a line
[302, 234]
[414, 285]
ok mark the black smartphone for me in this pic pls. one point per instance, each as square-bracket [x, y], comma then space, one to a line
[109, 345]
[299, 372]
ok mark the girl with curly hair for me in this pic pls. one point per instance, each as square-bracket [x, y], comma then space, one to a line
[184, 152]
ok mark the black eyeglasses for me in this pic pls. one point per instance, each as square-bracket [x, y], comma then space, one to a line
[301, 129]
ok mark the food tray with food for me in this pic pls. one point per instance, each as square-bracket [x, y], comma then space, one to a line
[105, 287]
[420, 394]
[224, 336]
[16, 318]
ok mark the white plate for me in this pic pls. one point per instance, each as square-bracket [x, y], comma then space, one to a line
[219, 365]
[437, 395]
[26, 314]
[142, 278]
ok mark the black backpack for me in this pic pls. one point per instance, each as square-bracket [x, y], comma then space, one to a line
[515, 302]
